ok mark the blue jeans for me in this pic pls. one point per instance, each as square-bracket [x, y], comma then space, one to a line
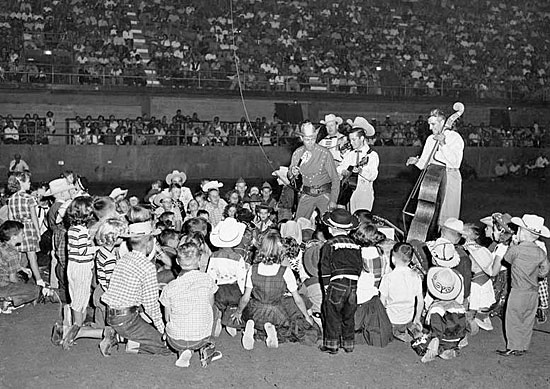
[132, 327]
[339, 309]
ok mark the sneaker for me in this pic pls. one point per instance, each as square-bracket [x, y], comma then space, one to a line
[248, 335]
[429, 356]
[6, 307]
[232, 331]
[328, 350]
[484, 324]
[132, 347]
[218, 328]
[216, 356]
[463, 342]
[510, 353]
[109, 340]
[448, 354]
[271, 341]
[184, 359]
[70, 337]
[57, 334]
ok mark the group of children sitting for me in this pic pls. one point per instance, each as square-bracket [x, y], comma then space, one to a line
[169, 273]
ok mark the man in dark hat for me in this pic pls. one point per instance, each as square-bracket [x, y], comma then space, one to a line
[340, 266]
[321, 183]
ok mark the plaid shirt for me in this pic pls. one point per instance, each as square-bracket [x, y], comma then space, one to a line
[9, 263]
[134, 283]
[215, 212]
[188, 298]
[375, 263]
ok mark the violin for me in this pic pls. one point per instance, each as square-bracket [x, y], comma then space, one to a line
[428, 189]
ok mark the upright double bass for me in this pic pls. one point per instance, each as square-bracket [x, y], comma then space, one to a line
[428, 189]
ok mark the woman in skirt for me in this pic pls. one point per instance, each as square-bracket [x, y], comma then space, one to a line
[22, 208]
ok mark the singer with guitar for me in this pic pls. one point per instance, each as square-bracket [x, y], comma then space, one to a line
[359, 168]
[320, 180]
[449, 147]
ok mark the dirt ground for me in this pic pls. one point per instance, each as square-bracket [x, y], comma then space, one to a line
[27, 358]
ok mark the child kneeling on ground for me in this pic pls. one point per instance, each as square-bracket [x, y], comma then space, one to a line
[188, 308]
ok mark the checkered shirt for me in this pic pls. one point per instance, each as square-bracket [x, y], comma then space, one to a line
[188, 298]
[215, 213]
[9, 263]
[134, 283]
[543, 293]
[375, 263]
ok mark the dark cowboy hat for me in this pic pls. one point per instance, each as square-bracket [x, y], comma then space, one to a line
[340, 218]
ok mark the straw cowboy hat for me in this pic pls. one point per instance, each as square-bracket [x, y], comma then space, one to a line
[332, 118]
[227, 233]
[502, 219]
[308, 129]
[340, 218]
[210, 185]
[140, 230]
[118, 192]
[158, 198]
[532, 223]
[443, 283]
[58, 185]
[454, 224]
[361, 122]
[174, 174]
[443, 253]
[281, 174]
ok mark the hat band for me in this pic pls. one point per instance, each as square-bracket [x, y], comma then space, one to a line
[340, 225]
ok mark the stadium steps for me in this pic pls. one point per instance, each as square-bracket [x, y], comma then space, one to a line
[140, 44]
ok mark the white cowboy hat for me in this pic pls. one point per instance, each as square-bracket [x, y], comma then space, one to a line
[227, 233]
[443, 253]
[308, 129]
[332, 118]
[532, 223]
[281, 174]
[157, 199]
[139, 230]
[361, 122]
[58, 185]
[443, 283]
[174, 174]
[211, 185]
[118, 192]
[292, 229]
[454, 224]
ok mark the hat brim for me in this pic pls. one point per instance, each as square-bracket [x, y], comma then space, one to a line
[461, 232]
[216, 240]
[331, 223]
[300, 133]
[544, 232]
[171, 176]
[155, 232]
[457, 285]
[487, 220]
[337, 119]
[157, 200]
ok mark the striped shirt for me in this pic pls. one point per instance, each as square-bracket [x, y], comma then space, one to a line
[79, 245]
[133, 284]
[105, 262]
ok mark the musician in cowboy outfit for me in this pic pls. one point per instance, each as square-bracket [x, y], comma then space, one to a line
[361, 165]
[334, 139]
[450, 149]
[321, 182]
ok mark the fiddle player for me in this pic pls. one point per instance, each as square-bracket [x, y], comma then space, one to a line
[334, 140]
[321, 183]
[362, 161]
[450, 150]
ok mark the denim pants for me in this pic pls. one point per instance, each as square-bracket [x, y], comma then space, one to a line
[339, 309]
[132, 327]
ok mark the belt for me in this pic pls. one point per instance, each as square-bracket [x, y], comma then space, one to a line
[317, 190]
[348, 277]
[122, 311]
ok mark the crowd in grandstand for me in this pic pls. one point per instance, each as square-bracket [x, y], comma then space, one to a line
[486, 48]
[191, 130]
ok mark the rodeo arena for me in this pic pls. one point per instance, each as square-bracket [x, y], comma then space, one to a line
[261, 193]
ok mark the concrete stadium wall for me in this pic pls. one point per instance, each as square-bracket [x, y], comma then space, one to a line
[147, 163]
[68, 103]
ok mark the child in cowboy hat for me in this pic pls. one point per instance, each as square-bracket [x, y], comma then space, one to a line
[446, 318]
[188, 303]
[528, 262]
[228, 269]
[340, 267]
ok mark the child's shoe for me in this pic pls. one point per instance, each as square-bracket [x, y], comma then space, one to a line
[448, 354]
[6, 307]
[184, 358]
[248, 335]
[57, 334]
[108, 342]
[484, 324]
[541, 316]
[232, 331]
[70, 337]
[271, 341]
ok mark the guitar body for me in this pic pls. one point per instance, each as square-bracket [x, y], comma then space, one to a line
[429, 202]
[349, 183]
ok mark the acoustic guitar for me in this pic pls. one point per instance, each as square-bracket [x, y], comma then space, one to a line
[349, 183]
